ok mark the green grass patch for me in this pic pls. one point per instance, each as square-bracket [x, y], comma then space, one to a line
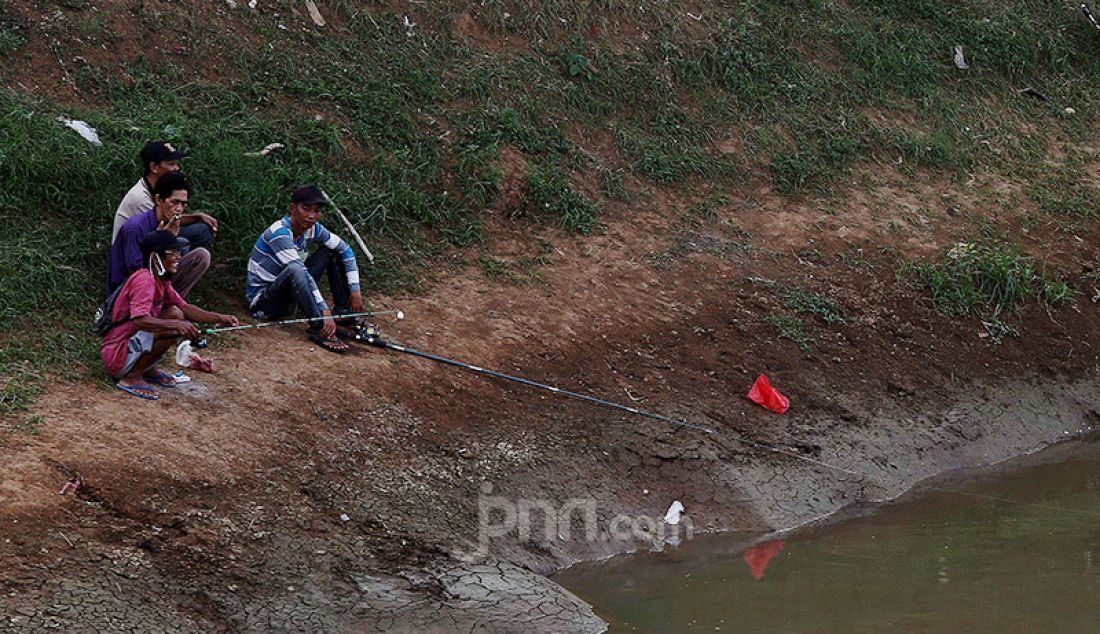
[1066, 192]
[791, 328]
[987, 280]
[550, 195]
[803, 301]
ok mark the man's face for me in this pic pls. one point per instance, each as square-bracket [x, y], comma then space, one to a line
[162, 168]
[171, 261]
[174, 205]
[303, 216]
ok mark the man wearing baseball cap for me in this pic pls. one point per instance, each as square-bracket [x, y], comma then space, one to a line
[159, 158]
[279, 280]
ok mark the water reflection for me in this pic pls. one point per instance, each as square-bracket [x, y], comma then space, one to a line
[758, 557]
[1005, 550]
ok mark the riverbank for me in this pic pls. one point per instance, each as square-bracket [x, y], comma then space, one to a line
[268, 497]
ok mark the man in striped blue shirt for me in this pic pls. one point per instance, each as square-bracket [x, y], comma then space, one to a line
[279, 279]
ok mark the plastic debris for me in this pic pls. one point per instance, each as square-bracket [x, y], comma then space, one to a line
[763, 394]
[83, 129]
[251, 4]
[181, 377]
[187, 358]
[72, 485]
[758, 557]
[183, 354]
[268, 149]
[344, 517]
[314, 13]
[672, 516]
[960, 59]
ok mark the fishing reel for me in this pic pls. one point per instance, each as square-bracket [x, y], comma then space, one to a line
[366, 333]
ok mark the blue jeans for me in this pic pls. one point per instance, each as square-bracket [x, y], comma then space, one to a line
[194, 236]
[291, 288]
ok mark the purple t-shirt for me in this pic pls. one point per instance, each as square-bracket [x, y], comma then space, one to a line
[125, 255]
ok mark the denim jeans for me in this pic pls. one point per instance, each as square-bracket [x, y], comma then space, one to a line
[194, 236]
[291, 287]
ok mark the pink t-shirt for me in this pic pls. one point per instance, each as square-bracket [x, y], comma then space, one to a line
[141, 295]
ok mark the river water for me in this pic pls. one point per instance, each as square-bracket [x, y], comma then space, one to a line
[1013, 548]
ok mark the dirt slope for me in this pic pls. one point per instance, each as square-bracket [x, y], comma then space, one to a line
[221, 506]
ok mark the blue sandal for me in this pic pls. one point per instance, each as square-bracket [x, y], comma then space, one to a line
[141, 391]
[160, 378]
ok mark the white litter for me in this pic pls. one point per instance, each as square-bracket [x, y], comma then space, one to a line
[184, 354]
[252, 4]
[181, 377]
[400, 315]
[268, 149]
[83, 129]
[314, 13]
[960, 59]
[344, 517]
[673, 515]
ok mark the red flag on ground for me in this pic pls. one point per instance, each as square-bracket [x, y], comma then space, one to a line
[758, 557]
[763, 394]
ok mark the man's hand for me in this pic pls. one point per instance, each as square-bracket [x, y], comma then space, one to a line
[172, 225]
[328, 328]
[228, 320]
[355, 302]
[186, 329]
[209, 220]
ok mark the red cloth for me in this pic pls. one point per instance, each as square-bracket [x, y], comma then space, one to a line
[762, 393]
[758, 557]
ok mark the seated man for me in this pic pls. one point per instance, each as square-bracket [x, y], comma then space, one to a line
[278, 279]
[157, 159]
[170, 196]
[148, 316]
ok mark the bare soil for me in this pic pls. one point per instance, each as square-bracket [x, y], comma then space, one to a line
[223, 503]
[296, 490]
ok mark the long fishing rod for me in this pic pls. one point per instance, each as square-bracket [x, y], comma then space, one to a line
[374, 340]
[213, 331]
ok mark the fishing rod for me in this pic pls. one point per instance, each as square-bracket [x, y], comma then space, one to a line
[351, 227]
[371, 337]
[213, 331]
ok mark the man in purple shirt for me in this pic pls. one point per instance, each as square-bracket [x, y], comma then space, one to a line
[170, 198]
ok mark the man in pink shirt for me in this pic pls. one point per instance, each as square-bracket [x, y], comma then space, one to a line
[148, 316]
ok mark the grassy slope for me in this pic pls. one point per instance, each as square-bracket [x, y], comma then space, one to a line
[404, 125]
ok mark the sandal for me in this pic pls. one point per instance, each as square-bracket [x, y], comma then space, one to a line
[146, 392]
[332, 345]
[160, 377]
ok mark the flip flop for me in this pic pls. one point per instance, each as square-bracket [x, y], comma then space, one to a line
[141, 391]
[332, 345]
[344, 333]
[160, 378]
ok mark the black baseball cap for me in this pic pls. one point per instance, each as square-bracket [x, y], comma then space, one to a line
[309, 195]
[159, 151]
[158, 242]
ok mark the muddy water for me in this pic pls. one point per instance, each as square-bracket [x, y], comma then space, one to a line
[1014, 548]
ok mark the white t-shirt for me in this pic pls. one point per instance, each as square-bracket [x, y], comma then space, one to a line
[137, 200]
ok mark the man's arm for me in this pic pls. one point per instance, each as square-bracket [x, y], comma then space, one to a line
[187, 219]
[194, 313]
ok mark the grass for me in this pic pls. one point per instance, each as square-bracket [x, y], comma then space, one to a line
[405, 127]
[804, 301]
[988, 280]
[791, 328]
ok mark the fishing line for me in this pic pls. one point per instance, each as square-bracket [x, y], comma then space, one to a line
[1038, 505]
[214, 331]
[379, 343]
